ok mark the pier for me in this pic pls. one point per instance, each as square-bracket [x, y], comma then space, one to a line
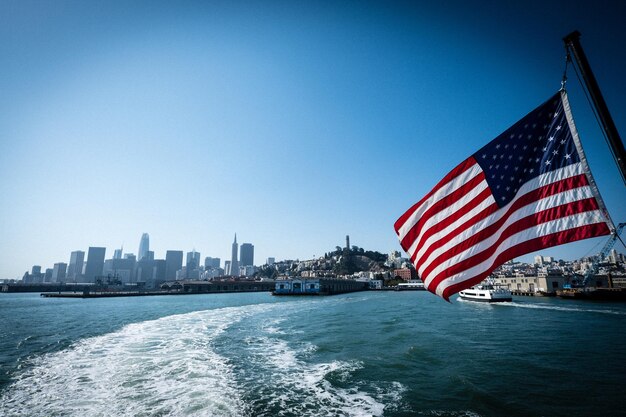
[318, 286]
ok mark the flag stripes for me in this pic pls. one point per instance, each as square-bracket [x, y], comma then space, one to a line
[458, 234]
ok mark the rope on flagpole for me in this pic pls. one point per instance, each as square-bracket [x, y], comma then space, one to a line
[568, 59]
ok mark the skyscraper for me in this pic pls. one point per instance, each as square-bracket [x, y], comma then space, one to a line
[210, 262]
[59, 272]
[144, 246]
[234, 263]
[95, 263]
[193, 260]
[75, 270]
[173, 263]
[117, 254]
[247, 254]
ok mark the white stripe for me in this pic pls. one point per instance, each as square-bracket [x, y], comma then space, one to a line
[565, 197]
[445, 190]
[533, 184]
[562, 224]
[449, 229]
[583, 158]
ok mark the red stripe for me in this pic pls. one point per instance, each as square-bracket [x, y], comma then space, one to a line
[535, 219]
[440, 205]
[458, 170]
[534, 195]
[542, 242]
[453, 218]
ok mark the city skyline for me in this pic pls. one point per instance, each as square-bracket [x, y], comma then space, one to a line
[294, 124]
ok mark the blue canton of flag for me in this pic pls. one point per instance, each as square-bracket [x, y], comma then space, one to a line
[540, 142]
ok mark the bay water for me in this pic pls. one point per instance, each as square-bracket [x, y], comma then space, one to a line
[359, 354]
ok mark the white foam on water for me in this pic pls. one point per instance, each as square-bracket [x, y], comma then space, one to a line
[161, 367]
[560, 308]
[301, 388]
[541, 306]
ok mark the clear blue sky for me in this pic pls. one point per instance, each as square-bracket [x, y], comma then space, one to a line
[289, 123]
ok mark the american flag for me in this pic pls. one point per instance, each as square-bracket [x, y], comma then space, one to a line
[528, 189]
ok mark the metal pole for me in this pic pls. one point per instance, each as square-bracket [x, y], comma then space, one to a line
[617, 146]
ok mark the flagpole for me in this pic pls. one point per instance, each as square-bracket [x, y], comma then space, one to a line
[572, 41]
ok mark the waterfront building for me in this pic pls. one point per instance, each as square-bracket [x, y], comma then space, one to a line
[227, 268]
[271, 261]
[59, 272]
[405, 274]
[144, 246]
[95, 263]
[247, 254]
[75, 268]
[173, 263]
[234, 263]
[117, 254]
[318, 286]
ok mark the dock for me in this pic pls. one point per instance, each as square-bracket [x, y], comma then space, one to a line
[318, 286]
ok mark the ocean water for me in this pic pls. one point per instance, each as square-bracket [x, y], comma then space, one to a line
[360, 354]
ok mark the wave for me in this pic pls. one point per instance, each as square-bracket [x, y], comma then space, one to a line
[542, 306]
[234, 361]
[159, 367]
[568, 309]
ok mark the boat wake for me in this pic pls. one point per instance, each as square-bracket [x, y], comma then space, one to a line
[560, 308]
[233, 361]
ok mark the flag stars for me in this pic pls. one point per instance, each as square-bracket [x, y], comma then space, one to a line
[548, 162]
[498, 146]
[484, 155]
[563, 142]
[558, 127]
[568, 155]
[551, 138]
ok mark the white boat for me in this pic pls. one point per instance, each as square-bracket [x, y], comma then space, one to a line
[486, 293]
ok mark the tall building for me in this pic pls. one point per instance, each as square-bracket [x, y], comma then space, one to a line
[173, 263]
[144, 246]
[59, 272]
[122, 269]
[247, 254]
[95, 263]
[227, 268]
[211, 262]
[193, 260]
[270, 261]
[234, 263]
[75, 269]
[117, 254]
